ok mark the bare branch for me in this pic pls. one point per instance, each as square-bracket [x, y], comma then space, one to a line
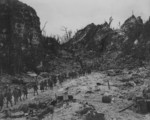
[68, 33]
[44, 26]
[43, 29]
[110, 20]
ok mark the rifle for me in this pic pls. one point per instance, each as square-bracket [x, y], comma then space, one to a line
[126, 107]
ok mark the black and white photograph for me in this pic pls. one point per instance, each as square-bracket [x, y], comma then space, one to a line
[74, 59]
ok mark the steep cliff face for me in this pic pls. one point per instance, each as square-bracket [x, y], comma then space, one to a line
[26, 23]
[21, 20]
[20, 35]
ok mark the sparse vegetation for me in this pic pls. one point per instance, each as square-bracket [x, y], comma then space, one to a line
[99, 64]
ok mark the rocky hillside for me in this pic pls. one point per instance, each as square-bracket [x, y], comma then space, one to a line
[20, 36]
[129, 44]
[91, 37]
[23, 48]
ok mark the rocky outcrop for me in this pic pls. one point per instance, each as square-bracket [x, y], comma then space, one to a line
[20, 35]
[91, 38]
[125, 45]
[146, 29]
[21, 20]
[133, 28]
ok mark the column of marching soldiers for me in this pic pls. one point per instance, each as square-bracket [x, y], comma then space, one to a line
[20, 93]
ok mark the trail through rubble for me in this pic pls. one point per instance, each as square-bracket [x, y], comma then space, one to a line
[88, 91]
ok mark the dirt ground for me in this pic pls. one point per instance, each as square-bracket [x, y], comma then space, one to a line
[124, 86]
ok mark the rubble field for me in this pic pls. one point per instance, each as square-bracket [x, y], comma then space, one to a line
[87, 92]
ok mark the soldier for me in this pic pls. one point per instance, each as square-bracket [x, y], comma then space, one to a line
[15, 94]
[75, 74]
[54, 79]
[70, 74]
[1, 100]
[42, 86]
[8, 96]
[25, 91]
[88, 70]
[80, 73]
[64, 76]
[45, 84]
[60, 79]
[50, 84]
[19, 93]
[35, 88]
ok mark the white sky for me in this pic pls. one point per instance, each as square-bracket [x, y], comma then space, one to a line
[76, 14]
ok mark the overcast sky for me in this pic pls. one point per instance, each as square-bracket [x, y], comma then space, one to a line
[76, 14]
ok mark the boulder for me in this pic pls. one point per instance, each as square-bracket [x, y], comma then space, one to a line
[106, 99]
[94, 116]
